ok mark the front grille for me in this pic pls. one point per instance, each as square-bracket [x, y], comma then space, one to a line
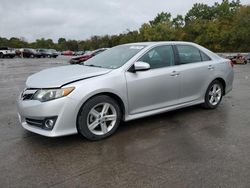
[34, 122]
[28, 94]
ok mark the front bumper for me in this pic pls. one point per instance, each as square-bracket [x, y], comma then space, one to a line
[63, 108]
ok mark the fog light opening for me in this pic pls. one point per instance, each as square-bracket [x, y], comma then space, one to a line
[49, 123]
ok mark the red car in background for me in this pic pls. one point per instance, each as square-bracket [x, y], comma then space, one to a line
[86, 56]
[68, 53]
[238, 59]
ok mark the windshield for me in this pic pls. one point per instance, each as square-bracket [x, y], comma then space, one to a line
[114, 57]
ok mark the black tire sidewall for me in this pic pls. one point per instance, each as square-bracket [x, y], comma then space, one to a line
[82, 127]
[207, 104]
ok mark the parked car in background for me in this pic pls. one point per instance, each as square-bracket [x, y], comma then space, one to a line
[18, 52]
[86, 56]
[29, 53]
[54, 53]
[238, 59]
[126, 82]
[247, 57]
[68, 53]
[79, 53]
[47, 53]
[7, 52]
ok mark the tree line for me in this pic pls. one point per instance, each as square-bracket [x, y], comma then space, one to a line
[222, 27]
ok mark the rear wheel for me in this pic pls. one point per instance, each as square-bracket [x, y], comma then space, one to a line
[1, 55]
[99, 118]
[213, 95]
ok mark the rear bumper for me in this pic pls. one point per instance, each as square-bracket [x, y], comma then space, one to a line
[229, 82]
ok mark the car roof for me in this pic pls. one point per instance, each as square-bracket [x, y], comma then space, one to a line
[161, 42]
[152, 44]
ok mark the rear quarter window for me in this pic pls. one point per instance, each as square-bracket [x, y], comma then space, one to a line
[204, 56]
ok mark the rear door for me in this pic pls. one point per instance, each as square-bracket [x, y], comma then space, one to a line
[196, 69]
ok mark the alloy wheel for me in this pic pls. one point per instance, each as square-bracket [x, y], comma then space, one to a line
[101, 118]
[215, 94]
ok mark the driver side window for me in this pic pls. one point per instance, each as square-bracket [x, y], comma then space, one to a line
[160, 56]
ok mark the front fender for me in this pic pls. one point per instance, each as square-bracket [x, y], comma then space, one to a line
[85, 89]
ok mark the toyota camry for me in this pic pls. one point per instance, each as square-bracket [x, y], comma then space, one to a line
[123, 83]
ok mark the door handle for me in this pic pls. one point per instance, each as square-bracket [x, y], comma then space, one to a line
[210, 67]
[174, 73]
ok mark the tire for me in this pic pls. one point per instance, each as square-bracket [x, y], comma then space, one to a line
[1, 55]
[95, 112]
[213, 95]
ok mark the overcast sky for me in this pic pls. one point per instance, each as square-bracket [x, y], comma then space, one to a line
[80, 19]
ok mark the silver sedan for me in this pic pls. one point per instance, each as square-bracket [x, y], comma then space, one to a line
[126, 82]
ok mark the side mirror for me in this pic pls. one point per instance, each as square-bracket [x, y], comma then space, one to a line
[141, 66]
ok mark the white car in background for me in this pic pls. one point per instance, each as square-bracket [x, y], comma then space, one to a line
[7, 52]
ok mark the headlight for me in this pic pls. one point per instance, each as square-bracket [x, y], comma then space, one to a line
[50, 94]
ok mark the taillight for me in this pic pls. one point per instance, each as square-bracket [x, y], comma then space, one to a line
[231, 63]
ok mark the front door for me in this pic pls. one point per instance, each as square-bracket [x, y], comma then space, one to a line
[157, 87]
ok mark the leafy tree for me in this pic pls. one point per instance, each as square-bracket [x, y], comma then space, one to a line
[199, 11]
[178, 21]
[240, 32]
[221, 27]
[163, 17]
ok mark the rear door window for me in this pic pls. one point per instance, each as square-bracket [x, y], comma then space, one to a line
[188, 54]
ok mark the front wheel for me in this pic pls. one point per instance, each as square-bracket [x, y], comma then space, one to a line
[213, 95]
[99, 118]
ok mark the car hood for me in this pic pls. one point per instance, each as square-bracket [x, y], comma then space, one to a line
[56, 77]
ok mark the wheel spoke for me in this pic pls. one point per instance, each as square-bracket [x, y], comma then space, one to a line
[105, 108]
[94, 113]
[216, 100]
[214, 88]
[218, 91]
[104, 128]
[93, 125]
[110, 117]
[211, 99]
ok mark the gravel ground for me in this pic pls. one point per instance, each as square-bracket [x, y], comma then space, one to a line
[191, 147]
